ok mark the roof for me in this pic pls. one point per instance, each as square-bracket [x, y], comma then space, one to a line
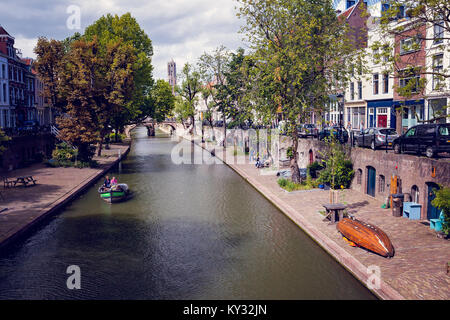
[3, 31]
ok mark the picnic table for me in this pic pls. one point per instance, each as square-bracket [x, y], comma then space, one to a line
[335, 211]
[26, 180]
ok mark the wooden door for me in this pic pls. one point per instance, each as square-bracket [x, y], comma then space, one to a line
[371, 177]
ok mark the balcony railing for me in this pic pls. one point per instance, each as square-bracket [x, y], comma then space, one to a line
[27, 131]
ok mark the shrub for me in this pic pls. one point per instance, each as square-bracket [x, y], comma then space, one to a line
[442, 201]
[64, 152]
[289, 185]
[313, 168]
[338, 166]
[120, 137]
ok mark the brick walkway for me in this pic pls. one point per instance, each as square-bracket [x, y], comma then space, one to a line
[418, 269]
[54, 187]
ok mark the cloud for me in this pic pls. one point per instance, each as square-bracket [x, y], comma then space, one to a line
[179, 29]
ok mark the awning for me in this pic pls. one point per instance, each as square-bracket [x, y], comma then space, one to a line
[409, 102]
[380, 103]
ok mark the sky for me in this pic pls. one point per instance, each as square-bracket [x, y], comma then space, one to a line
[179, 29]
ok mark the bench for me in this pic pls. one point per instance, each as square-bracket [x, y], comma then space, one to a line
[25, 180]
[436, 224]
[8, 183]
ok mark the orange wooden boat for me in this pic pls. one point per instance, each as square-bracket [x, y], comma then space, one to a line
[367, 236]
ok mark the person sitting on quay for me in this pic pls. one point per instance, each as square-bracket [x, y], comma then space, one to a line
[257, 164]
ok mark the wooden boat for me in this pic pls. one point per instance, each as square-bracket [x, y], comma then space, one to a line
[114, 194]
[367, 236]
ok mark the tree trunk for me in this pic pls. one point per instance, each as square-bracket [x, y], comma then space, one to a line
[100, 145]
[224, 131]
[192, 131]
[213, 138]
[294, 165]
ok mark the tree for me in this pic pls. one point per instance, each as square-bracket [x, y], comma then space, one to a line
[49, 65]
[96, 85]
[99, 80]
[420, 23]
[3, 141]
[110, 29]
[213, 67]
[163, 101]
[298, 47]
[207, 93]
[189, 89]
[183, 110]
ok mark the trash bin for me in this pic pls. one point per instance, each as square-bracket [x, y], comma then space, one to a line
[397, 204]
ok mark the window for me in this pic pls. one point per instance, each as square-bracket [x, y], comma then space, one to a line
[359, 176]
[4, 92]
[438, 68]
[444, 131]
[385, 82]
[411, 132]
[360, 90]
[415, 194]
[3, 71]
[375, 83]
[409, 45]
[410, 79]
[352, 91]
[438, 30]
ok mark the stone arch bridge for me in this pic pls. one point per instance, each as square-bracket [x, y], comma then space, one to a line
[151, 125]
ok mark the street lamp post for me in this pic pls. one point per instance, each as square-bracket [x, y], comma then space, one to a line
[340, 98]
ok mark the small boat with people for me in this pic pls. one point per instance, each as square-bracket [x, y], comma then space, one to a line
[113, 192]
[366, 236]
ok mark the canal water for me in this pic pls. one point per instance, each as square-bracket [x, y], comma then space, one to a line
[189, 232]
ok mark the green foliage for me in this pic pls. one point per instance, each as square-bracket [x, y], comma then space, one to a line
[313, 168]
[338, 172]
[117, 137]
[290, 152]
[297, 47]
[289, 185]
[3, 141]
[63, 152]
[442, 201]
[163, 101]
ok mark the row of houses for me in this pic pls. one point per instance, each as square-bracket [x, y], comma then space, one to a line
[373, 99]
[21, 97]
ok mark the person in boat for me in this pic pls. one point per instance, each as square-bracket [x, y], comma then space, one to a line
[107, 182]
[113, 181]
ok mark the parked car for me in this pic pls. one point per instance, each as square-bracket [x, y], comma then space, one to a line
[428, 138]
[339, 132]
[218, 123]
[307, 130]
[29, 125]
[375, 137]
